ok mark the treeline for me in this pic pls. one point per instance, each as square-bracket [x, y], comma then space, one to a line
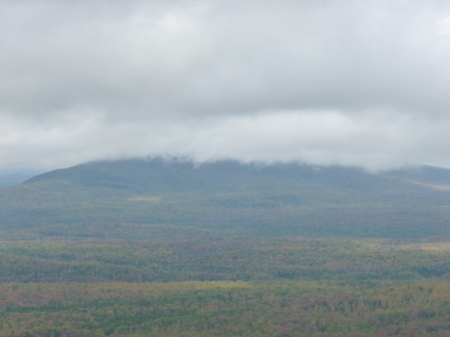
[221, 258]
[281, 308]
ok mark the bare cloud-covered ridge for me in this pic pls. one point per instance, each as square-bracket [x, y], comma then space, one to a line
[350, 83]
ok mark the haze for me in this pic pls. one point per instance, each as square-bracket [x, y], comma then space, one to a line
[362, 83]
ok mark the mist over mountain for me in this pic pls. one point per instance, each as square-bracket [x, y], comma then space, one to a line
[159, 198]
[329, 82]
[272, 192]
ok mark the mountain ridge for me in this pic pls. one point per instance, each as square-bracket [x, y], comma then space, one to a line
[170, 171]
[229, 198]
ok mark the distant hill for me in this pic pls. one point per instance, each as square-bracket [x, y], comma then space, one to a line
[158, 198]
[15, 178]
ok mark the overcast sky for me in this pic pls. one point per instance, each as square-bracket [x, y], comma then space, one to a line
[362, 83]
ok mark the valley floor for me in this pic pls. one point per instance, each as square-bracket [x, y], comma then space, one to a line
[224, 286]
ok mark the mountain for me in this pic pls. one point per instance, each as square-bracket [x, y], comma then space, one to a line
[168, 198]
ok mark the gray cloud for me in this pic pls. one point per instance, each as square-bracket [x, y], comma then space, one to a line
[339, 82]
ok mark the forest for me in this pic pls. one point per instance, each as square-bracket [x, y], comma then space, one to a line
[224, 286]
[226, 308]
[155, 249]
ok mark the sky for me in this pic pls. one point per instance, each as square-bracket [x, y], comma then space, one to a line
[353, 83]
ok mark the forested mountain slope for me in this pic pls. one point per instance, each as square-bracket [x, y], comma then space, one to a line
[161, 198]
[167, 248]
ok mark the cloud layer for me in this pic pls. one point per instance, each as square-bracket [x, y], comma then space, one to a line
[339, 82]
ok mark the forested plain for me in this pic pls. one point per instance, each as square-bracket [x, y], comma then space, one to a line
[157, 248]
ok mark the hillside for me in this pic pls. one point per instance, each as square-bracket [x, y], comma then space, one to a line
[160, 198]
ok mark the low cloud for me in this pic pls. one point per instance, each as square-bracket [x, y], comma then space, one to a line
[374, 139]
[342, 82]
